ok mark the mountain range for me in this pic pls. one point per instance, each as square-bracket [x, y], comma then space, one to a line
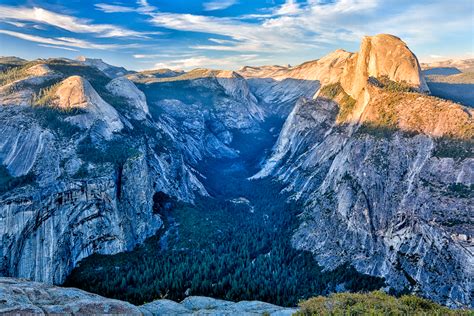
[375, 149]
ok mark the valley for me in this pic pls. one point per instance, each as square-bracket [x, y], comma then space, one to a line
[271, 183]
[233, 245]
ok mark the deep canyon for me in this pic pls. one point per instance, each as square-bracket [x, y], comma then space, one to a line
[342, 173]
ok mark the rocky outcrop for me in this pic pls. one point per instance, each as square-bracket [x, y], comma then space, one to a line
[378, 186]
[25, 297]
[46, 232]
[283, 86]
[124, 88]
[22, 90]
[108, 70]
[19, 296]
[201, 305]
[237, 87]
[76, 201]
[384, 204]
[22, 297]
[19, 152]
[382, 55]
[77, 93]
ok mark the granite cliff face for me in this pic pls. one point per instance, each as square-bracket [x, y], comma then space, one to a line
[385, 171]
[382, 55]
[283, 86]
[386, 176]
[83, 155]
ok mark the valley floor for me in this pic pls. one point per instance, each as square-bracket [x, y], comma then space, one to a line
[233, 245]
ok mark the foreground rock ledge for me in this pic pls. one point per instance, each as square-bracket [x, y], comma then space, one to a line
[23, 297]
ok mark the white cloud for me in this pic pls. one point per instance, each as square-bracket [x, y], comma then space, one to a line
[61, 41]
[58, 47]
[111, 8]
[145, 7]
[17, 24]
[161, 55]
[290, 27]
[65, 22]
[218, 4]
[290, 7]
[231, 62]
[300, 28]
[245, 36]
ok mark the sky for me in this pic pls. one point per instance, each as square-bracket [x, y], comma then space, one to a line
[228, 34]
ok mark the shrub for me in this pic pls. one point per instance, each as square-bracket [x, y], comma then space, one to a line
[46, 96]
[447, 147]
[394, 86]
[461, 190]
[8, 182]
[15, 73]
[10, 75]
[81, 172]
[376, 130]
[115, 152]
[54, 119]
[374, 303]
[330, 91]
[346, 106]
[346, 102]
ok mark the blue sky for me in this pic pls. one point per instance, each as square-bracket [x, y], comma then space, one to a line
[228, 34]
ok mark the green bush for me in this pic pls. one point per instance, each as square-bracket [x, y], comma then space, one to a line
[330, 91]
[8, 182]
[378, 131]
[394, 86]
[17, 72]
[374, 303]
[115, 152]
[12, 74]
[461, 190]
[54, 119]
[46, 96]
[346, 102]
[346, 106]
[447, 147]
[81, 172]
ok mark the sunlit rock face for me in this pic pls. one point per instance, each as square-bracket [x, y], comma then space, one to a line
[382, 55]
[385, 176]
[379, 188]
[108, 70]
[122, 87]
[280, 87]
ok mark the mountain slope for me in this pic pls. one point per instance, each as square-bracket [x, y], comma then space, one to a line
[90, 159]
[385, 175]
[285, 85]
[83, 155]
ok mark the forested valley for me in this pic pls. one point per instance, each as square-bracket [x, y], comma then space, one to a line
[234, 244]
